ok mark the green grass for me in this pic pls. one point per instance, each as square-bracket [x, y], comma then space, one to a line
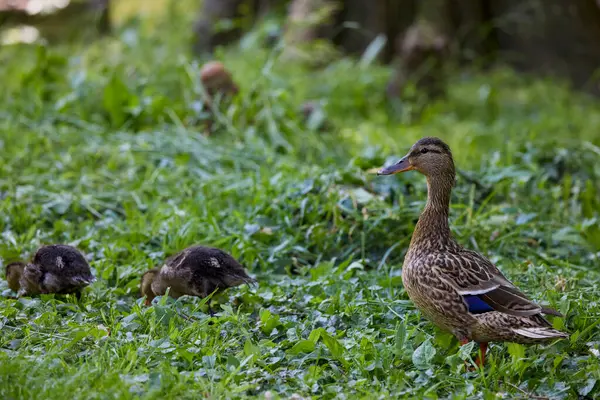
[102, 148]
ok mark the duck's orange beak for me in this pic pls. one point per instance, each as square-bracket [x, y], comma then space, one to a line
[401, 166]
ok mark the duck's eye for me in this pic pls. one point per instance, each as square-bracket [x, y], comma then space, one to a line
[424, 150]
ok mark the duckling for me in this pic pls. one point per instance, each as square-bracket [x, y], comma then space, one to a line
[460, 290]
[14, 271]
[55, 268]
[195, 271]
[218, 82]
[146, 285]
[217, 79]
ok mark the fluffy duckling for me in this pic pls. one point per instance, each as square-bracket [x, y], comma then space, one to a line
[218, 82]
[146, 285]
[216, 79]
[460, 290]
[14, 271]
[195, 271]
[55, 268]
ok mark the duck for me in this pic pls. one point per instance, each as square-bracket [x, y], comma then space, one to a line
[457, 289]
[217, 79]
[219, 85]
[55, 268]
[195, 271]
[13, 272]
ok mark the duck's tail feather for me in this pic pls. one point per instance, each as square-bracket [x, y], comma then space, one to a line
[540, 333]
[497, 326]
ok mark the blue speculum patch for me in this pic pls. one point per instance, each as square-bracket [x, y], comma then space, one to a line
[476, 305]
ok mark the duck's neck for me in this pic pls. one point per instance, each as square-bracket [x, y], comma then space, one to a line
[433, 228]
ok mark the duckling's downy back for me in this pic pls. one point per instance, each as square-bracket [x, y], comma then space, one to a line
[199, 271]
[62, 259]
[209, 264]
[56, 269]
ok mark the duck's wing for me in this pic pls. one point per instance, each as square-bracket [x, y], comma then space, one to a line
[473, 275]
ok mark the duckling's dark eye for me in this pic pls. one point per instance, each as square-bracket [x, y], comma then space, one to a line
[424, 150]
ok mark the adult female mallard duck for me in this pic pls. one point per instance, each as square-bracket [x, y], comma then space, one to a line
[195, 271]
[457, 289]
[56, 268]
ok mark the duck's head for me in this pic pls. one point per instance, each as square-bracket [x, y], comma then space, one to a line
[430, 156]
[146, 286]
[14, 271]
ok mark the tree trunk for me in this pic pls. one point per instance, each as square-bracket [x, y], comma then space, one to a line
[551, 36]
[221, 22]
[218, 23]
[423, 52]
[361, 23]
[472, 30]
[350, 24]
[102, 7]
[309, 20]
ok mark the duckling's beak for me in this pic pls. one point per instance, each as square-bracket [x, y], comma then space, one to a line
[401, 166]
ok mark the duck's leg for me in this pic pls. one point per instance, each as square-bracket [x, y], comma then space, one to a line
[481, 357]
